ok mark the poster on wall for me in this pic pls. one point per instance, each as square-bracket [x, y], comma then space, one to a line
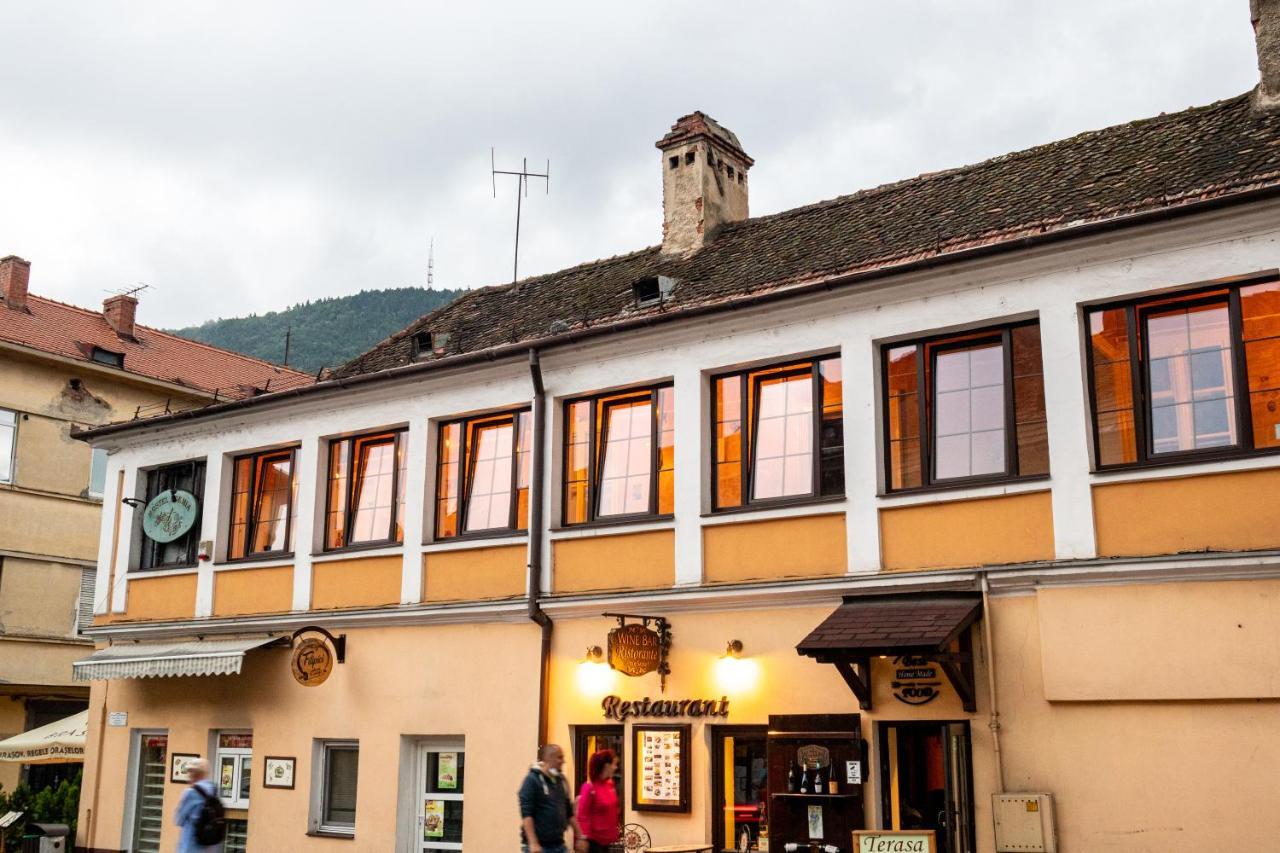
[447, 772]
[661, 768]
[433, 819]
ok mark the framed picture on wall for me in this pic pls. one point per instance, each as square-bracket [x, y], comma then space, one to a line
[277, 771]
[660, 768]
[180, 766]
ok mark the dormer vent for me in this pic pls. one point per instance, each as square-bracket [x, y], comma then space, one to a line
[427, 343]
[653, 291]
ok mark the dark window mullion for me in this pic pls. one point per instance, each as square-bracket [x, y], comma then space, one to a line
[1138, 380]
[655, 453]
[924, 394]
[593, 455]
[288, 507]
[1091, 383]
[1010, 410]
[464, 476]
[1239, 372]
[396, 450]
[815, 474]
[746, 447]
[513, 490]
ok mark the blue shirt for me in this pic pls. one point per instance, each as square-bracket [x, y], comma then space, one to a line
[189, 812]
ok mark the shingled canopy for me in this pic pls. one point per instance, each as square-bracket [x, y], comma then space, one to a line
[933, 626]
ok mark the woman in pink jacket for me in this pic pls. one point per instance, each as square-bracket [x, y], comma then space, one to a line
[598, 802]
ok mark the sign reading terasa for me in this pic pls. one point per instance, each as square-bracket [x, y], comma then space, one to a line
[616, 709]
[169, 515]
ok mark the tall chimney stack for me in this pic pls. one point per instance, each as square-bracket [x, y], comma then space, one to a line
[15, 276]
[119, 311]
[704, 182]
[1266, 33]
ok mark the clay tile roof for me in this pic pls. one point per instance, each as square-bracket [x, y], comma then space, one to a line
[1160, 164]
[877, 624]
[71, 332]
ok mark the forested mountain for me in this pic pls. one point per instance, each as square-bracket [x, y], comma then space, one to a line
[325, 333]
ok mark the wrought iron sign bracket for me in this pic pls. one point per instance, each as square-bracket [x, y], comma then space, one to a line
[339, 642]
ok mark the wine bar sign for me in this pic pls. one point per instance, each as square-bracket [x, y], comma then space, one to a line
[637, 649]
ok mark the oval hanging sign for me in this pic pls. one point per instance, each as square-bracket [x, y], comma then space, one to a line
[169, 515]
[312, 662]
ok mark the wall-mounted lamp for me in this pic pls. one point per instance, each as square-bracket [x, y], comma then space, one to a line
[133, 502]
[733, 649]
[594, 655]
[735, 673]
[595, 677]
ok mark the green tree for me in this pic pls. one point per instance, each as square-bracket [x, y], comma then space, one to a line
[55, 804]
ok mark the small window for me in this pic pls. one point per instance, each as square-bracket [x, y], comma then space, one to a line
[482, 477]
[366, 490]
[234, 768]
[652, 291]
[181, 552]
[8, 444]
[620, 456]
[675, 162]
[337, 766]
[965, 408]
[106, 356]
[779, 434]
[97, 472]
[430, 343]
[262, 498]
[1177, 378]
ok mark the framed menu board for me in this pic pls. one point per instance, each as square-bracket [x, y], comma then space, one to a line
[660, 762]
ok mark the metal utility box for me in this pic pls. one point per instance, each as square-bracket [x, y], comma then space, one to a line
[1024, 823]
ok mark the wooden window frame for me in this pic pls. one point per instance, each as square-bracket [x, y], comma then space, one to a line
[603, 403]
[397, 439]
[199, 472]
[756, 375]
[250, 510]
[1002, 334]
[466, 478]
[1135, 311]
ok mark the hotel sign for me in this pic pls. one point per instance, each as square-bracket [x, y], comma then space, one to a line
[169, 515]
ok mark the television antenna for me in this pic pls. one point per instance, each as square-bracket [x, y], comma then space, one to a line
[129, 291]
[431, 263]
[522, 191]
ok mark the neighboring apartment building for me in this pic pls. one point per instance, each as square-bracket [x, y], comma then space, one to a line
[63, 367]
[951, 488]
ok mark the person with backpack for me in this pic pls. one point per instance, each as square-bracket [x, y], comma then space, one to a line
[200, 813]
[598, 802]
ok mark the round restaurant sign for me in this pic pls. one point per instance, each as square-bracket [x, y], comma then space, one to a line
[169, 515]
[312, 662]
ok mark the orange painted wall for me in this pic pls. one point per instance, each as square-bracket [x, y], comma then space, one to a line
[808, 546]
[166, 597]
[983, 531]
[358, 582]
[476, 574]
[623, 561]
[242, 591]
[1232, 511]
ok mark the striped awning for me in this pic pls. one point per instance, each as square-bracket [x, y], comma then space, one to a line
[170, 659]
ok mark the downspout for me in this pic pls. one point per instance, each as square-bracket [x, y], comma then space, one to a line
[994, 723]
[537, 476]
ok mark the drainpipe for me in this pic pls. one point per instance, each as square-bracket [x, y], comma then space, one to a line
[991, 684]
[537, 477]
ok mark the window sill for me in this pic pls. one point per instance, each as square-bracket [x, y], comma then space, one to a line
[366, 548]
[1216, 463]
[629, 521]
[168, 571]
[276, 557]
[332, 833]
[465, 540]
[798, 503]
[923, 494]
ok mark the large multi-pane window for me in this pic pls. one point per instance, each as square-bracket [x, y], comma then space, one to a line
[482, 476]
[8, 443]
[365, 497]
[1184, 376]
[779, 433]
[620, 456]
[965, 408]
[262, 498]
[184, 477]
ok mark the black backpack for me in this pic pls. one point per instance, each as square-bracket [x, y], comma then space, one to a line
[211, 822]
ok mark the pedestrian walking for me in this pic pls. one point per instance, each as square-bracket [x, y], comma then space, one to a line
[200, 813]
[546, 807]
[598, 802]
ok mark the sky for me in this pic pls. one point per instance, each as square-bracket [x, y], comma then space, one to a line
[241, 157]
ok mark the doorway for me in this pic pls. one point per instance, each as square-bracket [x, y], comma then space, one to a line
[147, 805]
[926, 782]
[588, 740]
[442, 777]
[739, 778]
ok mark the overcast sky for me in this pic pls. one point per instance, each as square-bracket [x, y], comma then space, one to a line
[244, 156]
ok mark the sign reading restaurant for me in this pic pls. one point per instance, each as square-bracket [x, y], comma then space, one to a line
[616, 709]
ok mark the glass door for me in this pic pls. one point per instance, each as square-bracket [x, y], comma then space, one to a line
[739, 779]
[148, 804]
[442, 783]
[959, 822]
[927, 781]
[588, 740]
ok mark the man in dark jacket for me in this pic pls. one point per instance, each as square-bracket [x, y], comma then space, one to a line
[546, 807]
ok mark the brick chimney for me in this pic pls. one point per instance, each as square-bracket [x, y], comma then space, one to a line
[1266, 32]
[15, 275]
[704, 182]
[119, 311]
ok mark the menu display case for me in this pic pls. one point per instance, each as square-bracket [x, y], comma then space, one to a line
[660, 758]
[817, 764]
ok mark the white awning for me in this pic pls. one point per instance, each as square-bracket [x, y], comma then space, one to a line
[57, 743]
[161, 660]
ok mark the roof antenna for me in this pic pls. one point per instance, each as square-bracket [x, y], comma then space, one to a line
[130, 291]
[288, 337]
[431, 264]
[522, 189]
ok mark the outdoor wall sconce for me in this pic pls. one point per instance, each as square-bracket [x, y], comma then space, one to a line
[733, 649]
[595, 677]
[734, 673]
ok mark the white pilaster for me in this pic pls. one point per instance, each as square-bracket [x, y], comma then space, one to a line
[861, 453]
[120, 589]
[309, 505]
[691, 471]
[208, 531]
[415, 490]
[1066, 408]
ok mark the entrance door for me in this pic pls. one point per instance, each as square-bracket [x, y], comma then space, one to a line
[148, 803]
[927, 781]
[739, 777]
[441, 783]
[588, 740]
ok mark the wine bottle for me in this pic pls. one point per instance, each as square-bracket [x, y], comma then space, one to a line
[805, 784]
[793, 782]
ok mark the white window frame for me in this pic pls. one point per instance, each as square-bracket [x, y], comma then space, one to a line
[9, 423]
[320, 751]
[239, 756]
[98, 453]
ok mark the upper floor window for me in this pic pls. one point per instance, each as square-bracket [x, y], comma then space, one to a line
[965, 408]
[1186, 376]
[106, 356]
[182, 551]
[8, 444]
[482, 476]
[779, 433]
[97, 472]
[365, 498]
[620, 455]
[262, 497]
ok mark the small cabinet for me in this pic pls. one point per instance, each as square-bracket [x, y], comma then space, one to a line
[822, 748]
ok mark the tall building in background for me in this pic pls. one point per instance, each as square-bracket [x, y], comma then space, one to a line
[63, 367]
